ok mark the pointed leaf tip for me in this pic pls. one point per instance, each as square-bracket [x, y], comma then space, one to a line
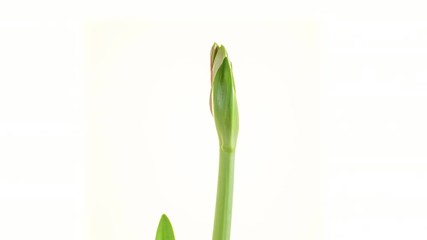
[165, 230]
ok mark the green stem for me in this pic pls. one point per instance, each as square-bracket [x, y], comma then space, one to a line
[224, 196]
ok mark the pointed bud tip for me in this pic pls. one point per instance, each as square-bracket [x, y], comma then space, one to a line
[215, 45]
[223, 50]
[217, 50]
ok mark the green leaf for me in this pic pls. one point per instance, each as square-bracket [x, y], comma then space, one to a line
[165, 230]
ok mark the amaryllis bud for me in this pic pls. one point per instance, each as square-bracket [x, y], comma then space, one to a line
[223, 102]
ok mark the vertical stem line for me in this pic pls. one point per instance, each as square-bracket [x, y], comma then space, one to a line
[224, 196]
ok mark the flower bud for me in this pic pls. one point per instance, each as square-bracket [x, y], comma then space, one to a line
[223, 103]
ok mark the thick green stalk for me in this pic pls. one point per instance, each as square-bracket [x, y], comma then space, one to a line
[224, 197]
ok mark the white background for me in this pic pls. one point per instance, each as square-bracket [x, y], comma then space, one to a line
[104, 120]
